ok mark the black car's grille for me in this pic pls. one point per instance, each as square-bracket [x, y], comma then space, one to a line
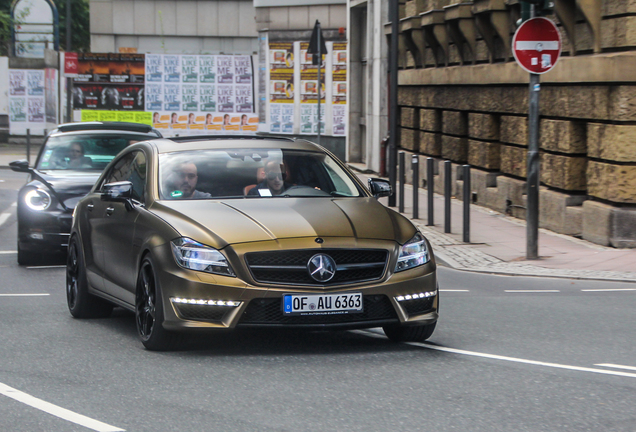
[201, 312]
[290, 267]
[269, 311]
[419, 306]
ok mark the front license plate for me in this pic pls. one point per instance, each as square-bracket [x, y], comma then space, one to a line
[322, 304]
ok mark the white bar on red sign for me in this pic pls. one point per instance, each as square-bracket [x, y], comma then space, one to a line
[537, 45]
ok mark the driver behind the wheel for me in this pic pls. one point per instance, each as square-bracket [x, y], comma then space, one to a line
[274, 183]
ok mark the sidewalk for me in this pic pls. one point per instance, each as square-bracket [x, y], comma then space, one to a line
[498, 245]
[497, 242]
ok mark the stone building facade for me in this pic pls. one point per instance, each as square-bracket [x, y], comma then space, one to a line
[174, 26]
[463, 98]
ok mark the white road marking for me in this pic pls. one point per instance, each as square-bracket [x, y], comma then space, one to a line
[615, 366]
[46, 267]
[23, 295]
[452, 290]
[608, 289]
[56, 410]
[532, 291]
[376, 334]
[8, 252]
[4, 217]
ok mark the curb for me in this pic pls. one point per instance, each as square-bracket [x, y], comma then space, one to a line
[462, 257]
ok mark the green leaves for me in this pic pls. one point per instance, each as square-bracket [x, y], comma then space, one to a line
[80, 25]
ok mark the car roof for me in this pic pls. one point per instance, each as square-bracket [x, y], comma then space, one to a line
[168, 145]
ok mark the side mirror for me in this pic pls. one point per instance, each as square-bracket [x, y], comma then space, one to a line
[118, 192]
[380, 187]
[21, 165]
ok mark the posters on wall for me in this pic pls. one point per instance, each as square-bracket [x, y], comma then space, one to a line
[293, 89]
[27, 101]
[281, 87]
[200, 93]
[109, 81]
[142, 117]
[339, 88]
[309, 93]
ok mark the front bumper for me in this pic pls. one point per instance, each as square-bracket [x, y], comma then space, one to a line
[191, 300]
[45, 231]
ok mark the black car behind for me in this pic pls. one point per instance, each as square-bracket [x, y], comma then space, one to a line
[68, 164]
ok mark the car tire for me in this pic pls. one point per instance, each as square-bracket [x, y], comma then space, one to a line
[149, 311]
[416, 333]
[80, 302]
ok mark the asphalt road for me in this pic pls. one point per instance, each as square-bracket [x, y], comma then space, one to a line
[501, 359]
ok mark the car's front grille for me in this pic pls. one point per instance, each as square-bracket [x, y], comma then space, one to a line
[265, 311]
[419, 306]
[290, 267]
[201, 312]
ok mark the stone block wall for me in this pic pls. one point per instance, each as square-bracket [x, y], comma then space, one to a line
[465, 100]
[587, 146]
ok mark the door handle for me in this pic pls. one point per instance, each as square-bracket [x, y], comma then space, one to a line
[89, 207]
[109, 211]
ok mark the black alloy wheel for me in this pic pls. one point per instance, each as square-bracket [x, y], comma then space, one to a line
[80, 302]
[149, 311]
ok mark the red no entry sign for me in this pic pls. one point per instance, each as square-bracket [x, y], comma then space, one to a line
[536, 45]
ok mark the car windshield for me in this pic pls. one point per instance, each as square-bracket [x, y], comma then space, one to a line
[252, 173]
[83, 152]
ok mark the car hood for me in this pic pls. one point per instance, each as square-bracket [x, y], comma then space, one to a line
[69, 186]
[219, 223]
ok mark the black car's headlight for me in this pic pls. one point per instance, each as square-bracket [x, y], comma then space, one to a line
[195, 256]
[37, 199]
[414, 253]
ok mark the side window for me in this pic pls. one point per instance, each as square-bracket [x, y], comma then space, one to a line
[132, 168]
[138, 176]
[121, 170]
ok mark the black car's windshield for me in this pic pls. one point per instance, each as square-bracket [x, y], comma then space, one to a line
[83, 152]
[252, 173]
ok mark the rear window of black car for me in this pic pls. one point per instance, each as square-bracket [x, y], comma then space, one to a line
[83, 152]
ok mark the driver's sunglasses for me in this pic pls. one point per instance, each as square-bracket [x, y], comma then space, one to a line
[274, 175]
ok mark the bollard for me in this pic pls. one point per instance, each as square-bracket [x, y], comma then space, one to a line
[430, 182]
[28, 155]
[447, 196]
[402, 175]
[466, 199]
[415, 167]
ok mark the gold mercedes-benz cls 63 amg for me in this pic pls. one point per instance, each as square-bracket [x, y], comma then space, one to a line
[216, 233]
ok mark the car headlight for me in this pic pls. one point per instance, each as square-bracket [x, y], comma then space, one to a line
[414, 253]
[37, 199]
[195, 256]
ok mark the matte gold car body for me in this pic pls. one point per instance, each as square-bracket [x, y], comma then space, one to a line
[238, 226]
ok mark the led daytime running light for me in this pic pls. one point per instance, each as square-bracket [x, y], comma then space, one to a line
[226, 303]
[416, 296]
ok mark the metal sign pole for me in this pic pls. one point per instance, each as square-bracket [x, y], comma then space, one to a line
[532, 182]
[394, 16]
[319, 90]
[532, 175]
[69, 81]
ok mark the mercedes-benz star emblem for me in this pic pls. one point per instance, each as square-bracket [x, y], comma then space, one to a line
[321, 267]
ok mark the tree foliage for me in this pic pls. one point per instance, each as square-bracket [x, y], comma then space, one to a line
[80, 25]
